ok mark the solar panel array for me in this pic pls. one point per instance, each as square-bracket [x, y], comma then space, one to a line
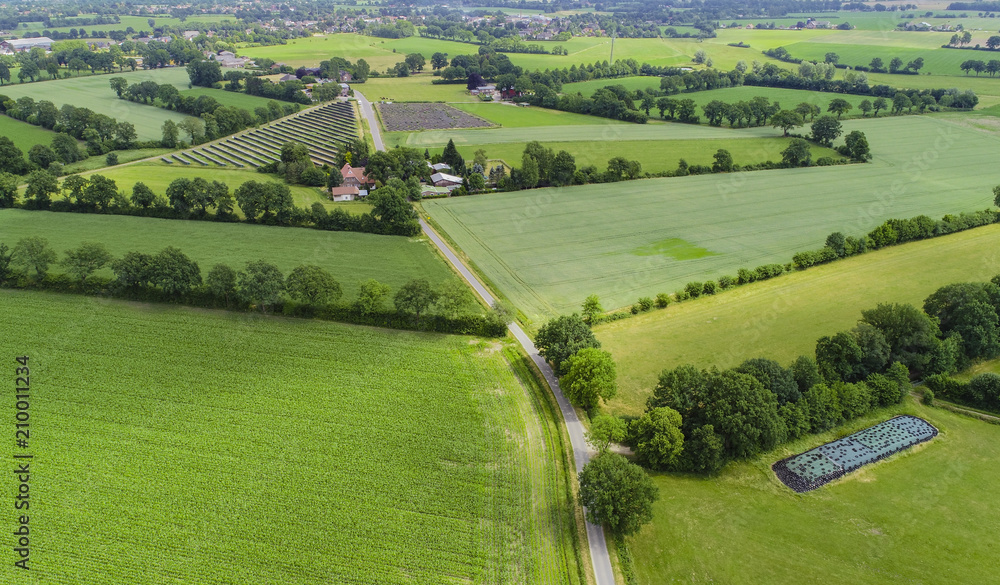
[809, 470]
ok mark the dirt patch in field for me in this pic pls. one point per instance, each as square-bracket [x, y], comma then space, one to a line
[413, 117]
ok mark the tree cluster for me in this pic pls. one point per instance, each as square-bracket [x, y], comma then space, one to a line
[102, 133]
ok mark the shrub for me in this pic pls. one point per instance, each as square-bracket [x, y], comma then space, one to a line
[726, 282]
[682, 295]
[662, 300]
[928, 397]
[709, 288]
[645, 304]
[694, 289]
[744, 276]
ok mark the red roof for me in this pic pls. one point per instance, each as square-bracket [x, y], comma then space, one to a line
[356, 172]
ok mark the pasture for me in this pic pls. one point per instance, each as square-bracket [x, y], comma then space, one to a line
[23, 134]
[158, 176]
[136, 22]
[347, 255]
[415, 88]
[606, 130]
[788, 98]
[391, 457]
[231, 99]
[546, 250]
[917, 517]
[510, 116]
[654, 155]
[94, 92]
[782, 318]
[378, 52]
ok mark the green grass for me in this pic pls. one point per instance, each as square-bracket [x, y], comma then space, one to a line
[391, 457]
[347, 255]
[547, 250]
[788, 98]
[229, 98]
[654, 155]
[920, 516]
[415, 88]
[376, 51]
[936, 61]
[136, 22]
[95, 93]
[124, 156]
[609, 131]
[23, 134]
[158, 176]
[510, 116]
[782, 318]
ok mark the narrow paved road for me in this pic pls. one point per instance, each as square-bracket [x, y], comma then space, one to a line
[581, 455]
[595, 534]
[369, 114]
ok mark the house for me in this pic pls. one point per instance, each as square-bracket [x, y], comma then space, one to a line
[344, 193]
[344, 89]
[17, 45]
[440, 167]
[288, 77]
[445, 180]
[508, 94]
[427, 191]
[345, 76]
[354, 177]
[190, 34]
[483, 89]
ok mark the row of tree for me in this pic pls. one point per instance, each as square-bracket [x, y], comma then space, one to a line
[266, 202]
[308, 290]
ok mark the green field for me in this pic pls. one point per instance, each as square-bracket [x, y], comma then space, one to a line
[415, 88]
[347, 255]
[208, 447]
[546, 250]
[607, 131]
[136, 22]
[378, 52]
[23, 134]
[782, 318]
[654, 155]
[918, 517]
[936, 61]
[158, 176]
[94, 92]
[788, 98]
[229, 98]
[510, 116]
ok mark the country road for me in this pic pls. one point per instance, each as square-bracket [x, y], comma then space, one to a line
[603, 573]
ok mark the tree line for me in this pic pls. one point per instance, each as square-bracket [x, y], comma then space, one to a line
[263, 202]
[308, 291]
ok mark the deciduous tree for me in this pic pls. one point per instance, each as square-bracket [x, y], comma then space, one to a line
[589, 375]
[617, 494]
[85, 260]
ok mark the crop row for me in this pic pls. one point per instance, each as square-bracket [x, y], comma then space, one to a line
[431, 476]
[323, 130]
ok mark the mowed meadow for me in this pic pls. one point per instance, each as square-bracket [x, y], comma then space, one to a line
[922, 516]
[547, 250]
[95, 92]
[782, 318]
[351, 257]
[195, 446]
